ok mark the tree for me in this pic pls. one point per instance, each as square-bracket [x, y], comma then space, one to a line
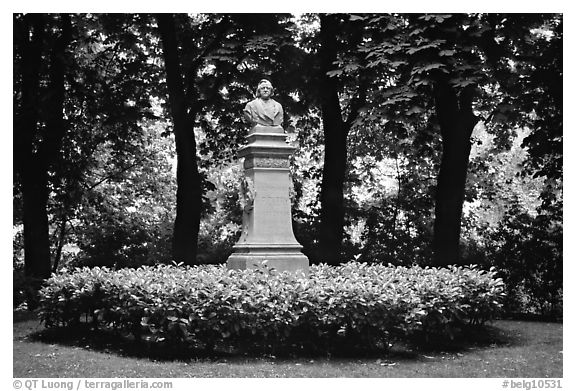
[189, 193]
[335, 152]
[40, 115]
[336, 130]
[457, 121]
[461, 63]
[451, 73]
[81, 81]
[126, 214]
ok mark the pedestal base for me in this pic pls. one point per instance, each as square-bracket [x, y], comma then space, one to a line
[280, 263]
[266, 221]
[280, 257]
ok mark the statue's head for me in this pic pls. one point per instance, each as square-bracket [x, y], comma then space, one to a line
[265, 86]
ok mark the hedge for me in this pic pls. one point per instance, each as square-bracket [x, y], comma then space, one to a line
[367, 306]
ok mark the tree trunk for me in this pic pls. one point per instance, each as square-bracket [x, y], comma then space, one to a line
[37, 264]
[60, 244]
[189, 192]
[36, 244]
[457, 122]
[33, 166]
[335, 150]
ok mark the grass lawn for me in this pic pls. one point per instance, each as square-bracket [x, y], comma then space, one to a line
[512, 349]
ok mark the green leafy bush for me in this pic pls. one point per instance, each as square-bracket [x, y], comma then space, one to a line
[528, 250]
[353, 305]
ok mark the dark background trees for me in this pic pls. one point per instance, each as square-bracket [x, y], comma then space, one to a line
[43, 55]
[424, 139]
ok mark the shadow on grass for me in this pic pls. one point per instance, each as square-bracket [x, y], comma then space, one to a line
[23, 316]
[471, 337]
[127, 346]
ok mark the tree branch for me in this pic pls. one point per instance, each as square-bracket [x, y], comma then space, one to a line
[191, 92]
[357, 103]
[114, 175]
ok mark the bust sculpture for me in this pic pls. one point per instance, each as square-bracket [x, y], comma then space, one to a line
[264, 110]
[267, 237]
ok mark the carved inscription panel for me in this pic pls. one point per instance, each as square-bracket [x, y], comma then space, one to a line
[266, 162]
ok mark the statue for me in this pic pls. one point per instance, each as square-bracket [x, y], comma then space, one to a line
[264, 110]
[267, 236]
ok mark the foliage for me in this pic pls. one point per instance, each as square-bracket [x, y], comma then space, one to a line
[221, 226]
[127, 208]
[23, 294]
[508, 224]
[112, 188]
[528, 251]
[393, 189]
[105, 88]
[493, 54]
[353, 305]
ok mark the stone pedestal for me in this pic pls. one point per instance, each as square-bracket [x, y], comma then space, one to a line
[267, 233]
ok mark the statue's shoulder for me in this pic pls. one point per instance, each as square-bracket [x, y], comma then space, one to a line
[251, 103]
